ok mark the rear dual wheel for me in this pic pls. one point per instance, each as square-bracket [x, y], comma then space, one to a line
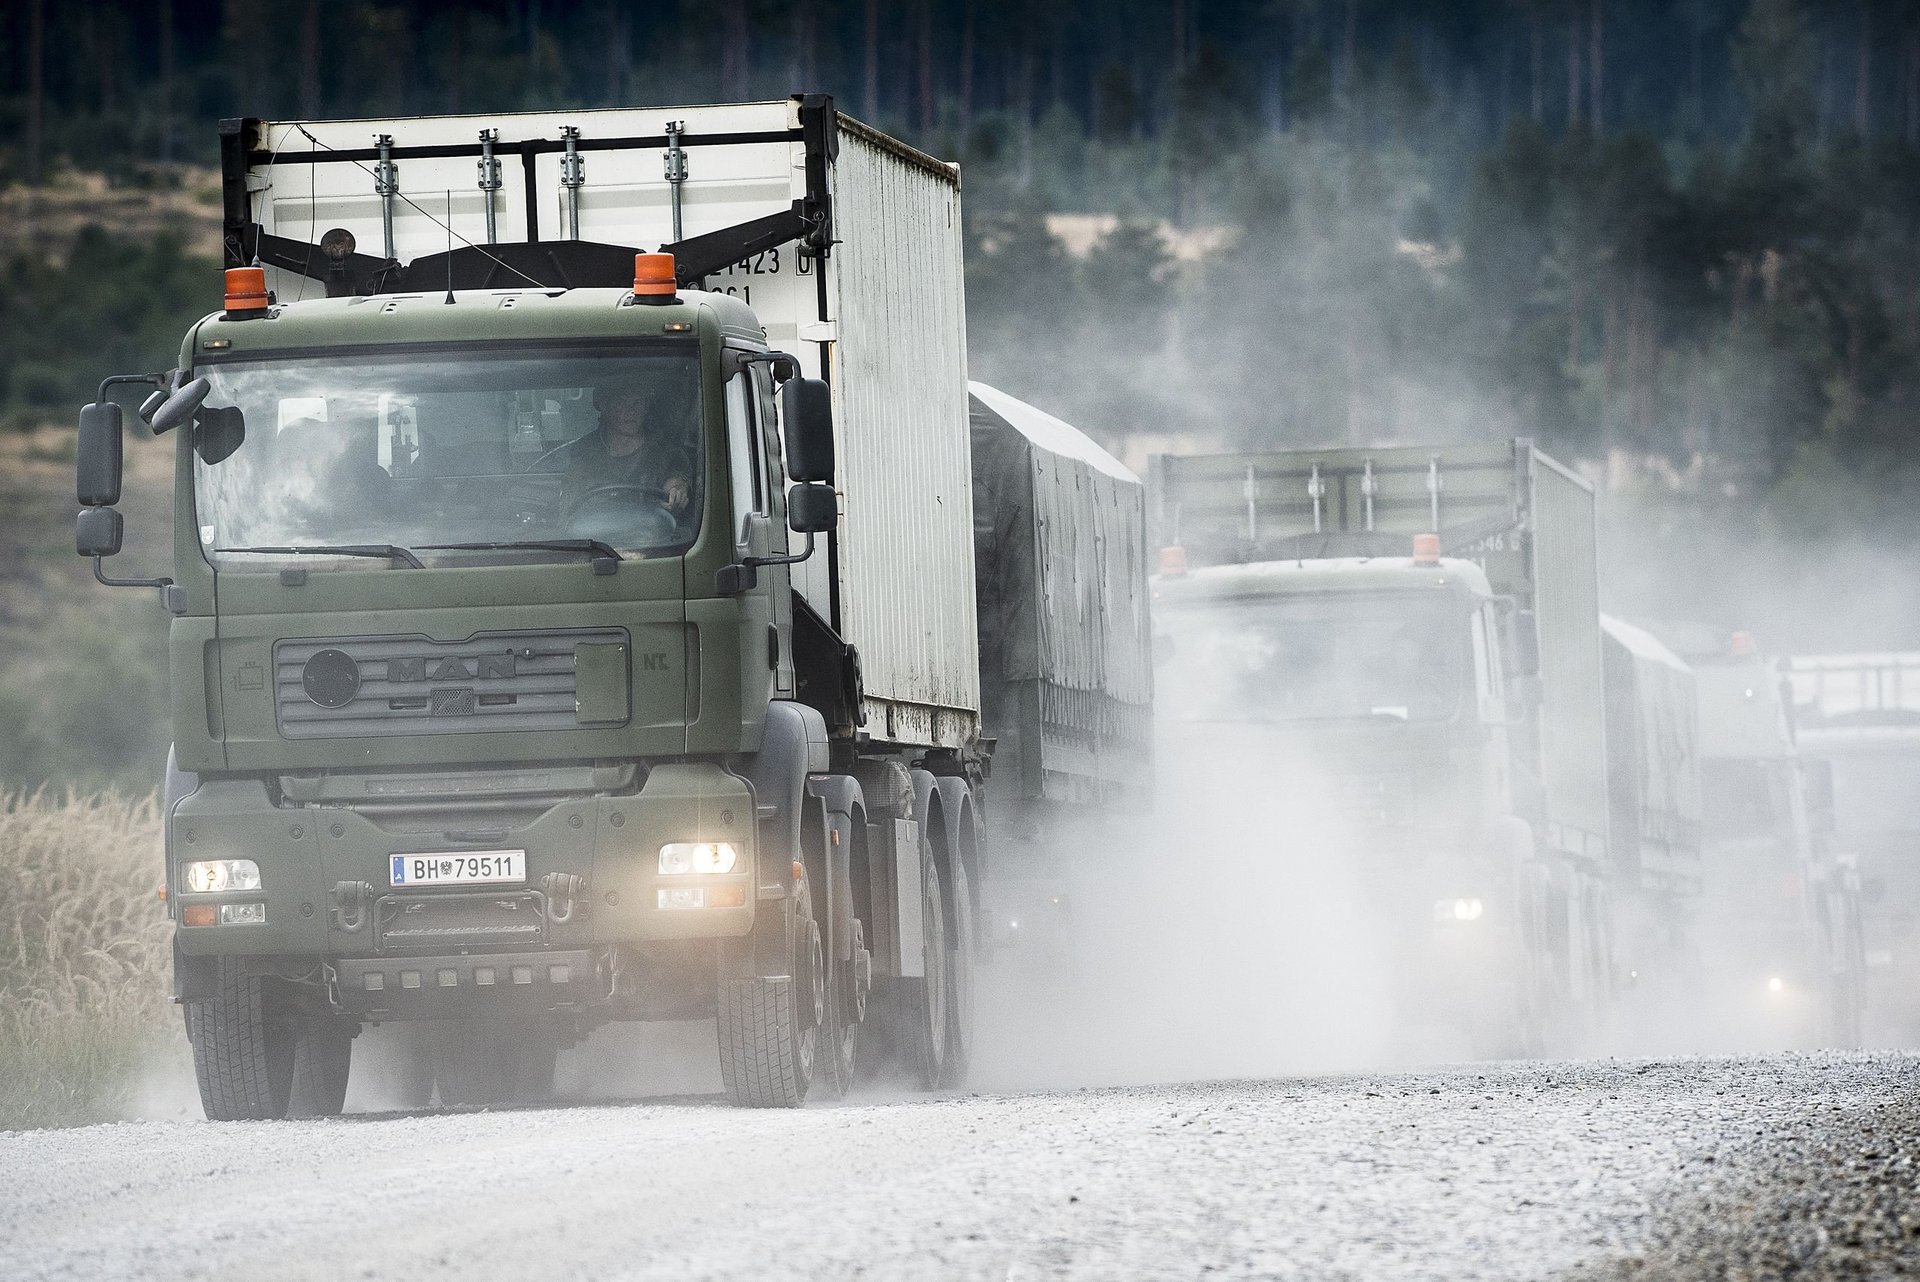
[927, 1020]
[483, 1063]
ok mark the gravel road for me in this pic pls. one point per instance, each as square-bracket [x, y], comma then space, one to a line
[1801, 1165]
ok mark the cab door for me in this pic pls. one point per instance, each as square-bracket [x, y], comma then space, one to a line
[767, 421]
[760, 531]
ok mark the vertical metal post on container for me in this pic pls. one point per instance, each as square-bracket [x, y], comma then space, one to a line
[386, 184]
[489, 181]
[573, 175]
[1316, 490]
[676, 169]
[1433, 490]
[1368, 486]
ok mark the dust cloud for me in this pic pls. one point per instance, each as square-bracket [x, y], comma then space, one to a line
[1229, 933]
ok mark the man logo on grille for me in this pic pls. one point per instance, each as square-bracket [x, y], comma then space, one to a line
[486, 667]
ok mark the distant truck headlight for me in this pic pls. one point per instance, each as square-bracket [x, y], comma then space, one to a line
[1461, 910]
[696, 858]
[212, 876]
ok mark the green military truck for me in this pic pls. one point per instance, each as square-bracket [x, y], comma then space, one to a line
[1421, 626]
[563, 632]
[1859, 714]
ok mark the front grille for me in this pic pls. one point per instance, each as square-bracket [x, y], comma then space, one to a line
[494, 682]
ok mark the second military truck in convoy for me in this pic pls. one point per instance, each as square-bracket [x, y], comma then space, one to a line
[565, 631]
[1422, 627]
[1418, 631]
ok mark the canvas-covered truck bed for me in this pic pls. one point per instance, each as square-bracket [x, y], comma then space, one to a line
[1525, 518]
[844, 242]
[1653, 758]
[1065, 632]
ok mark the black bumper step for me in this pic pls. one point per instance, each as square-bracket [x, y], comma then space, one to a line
[436, 987]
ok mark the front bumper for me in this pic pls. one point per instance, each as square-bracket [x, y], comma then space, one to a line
[592, 874]
[451, 987]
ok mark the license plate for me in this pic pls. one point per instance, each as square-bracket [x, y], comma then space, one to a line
[461, 868]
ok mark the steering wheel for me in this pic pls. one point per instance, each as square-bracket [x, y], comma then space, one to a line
[608, 512]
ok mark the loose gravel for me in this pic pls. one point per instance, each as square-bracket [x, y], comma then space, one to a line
[1787, 1166]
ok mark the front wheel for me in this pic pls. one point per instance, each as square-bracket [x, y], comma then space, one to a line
[769, 1025]
[257, 1055]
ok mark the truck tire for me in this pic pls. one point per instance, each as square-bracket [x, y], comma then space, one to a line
[246, 1037]
[838, 1053]
[769, 1025]
[322, 1059]
[916, 1010]
[485, 1063]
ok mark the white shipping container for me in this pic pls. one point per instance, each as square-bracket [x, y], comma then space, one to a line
[882, 316]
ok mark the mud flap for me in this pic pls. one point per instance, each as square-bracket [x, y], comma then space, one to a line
[908, 899]
[194, 978]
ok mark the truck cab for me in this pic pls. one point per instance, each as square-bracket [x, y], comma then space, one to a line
[1379, 691]
[1444, 707]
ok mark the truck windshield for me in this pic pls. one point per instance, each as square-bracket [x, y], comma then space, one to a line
[420, 450]
[1396, 656]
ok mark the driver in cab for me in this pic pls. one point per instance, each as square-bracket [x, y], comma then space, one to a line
[634, 454]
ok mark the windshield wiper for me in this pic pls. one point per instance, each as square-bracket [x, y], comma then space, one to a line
[384, 551]
[594, 546]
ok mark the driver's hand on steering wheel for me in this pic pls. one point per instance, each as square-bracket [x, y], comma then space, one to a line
[678, 494]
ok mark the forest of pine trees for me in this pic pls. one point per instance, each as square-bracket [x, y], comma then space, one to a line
[1677, 239]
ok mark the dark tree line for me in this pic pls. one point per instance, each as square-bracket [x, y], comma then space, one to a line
[1676, 235]
[121, 81]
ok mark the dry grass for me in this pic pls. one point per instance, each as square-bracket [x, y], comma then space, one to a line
[83, 955]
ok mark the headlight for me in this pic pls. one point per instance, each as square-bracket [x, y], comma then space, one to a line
[211, 876]
[1451, 910]
[697, 857]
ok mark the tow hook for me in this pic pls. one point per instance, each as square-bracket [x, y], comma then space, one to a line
[349, 900]
[563, 891]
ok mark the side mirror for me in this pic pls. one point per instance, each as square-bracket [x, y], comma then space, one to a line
[179, 407]
[812, 509]
[97, 531]
[98, 455]
[806, 406]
